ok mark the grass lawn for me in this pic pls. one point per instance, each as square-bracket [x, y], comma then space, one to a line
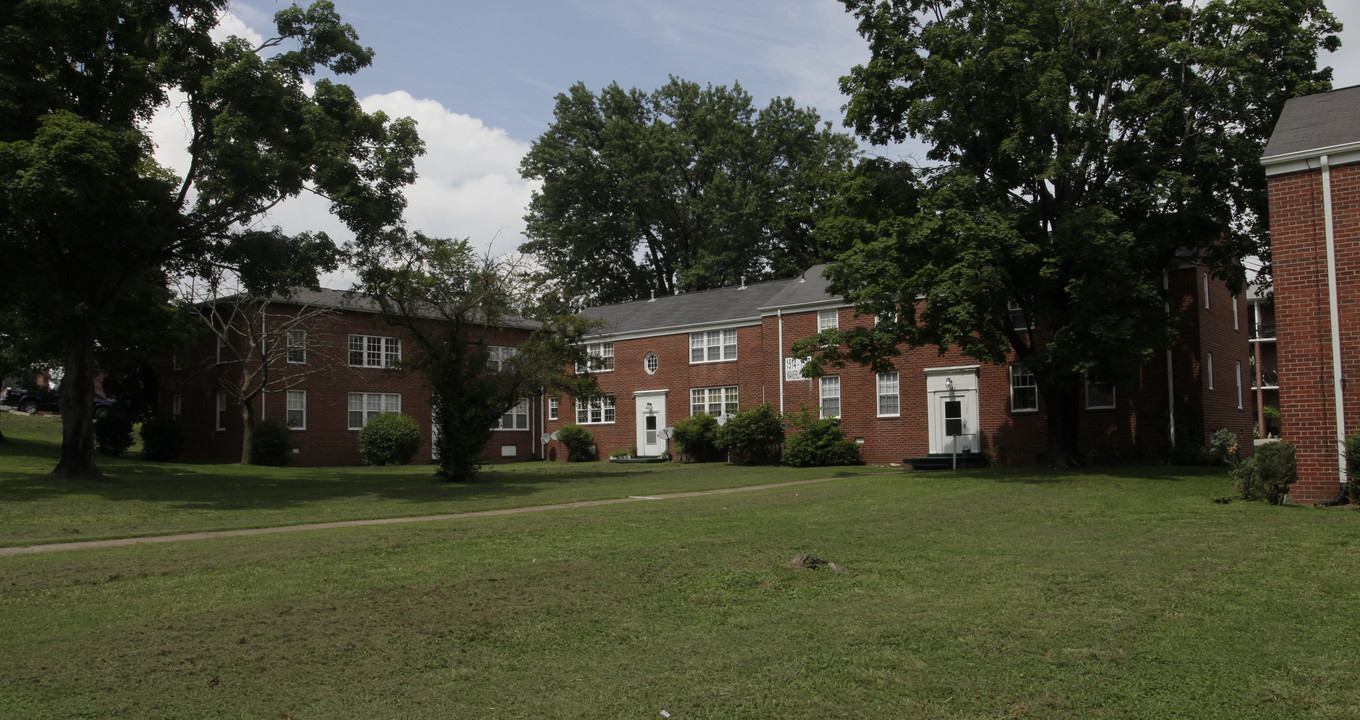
[149, 498]
[1123, 593]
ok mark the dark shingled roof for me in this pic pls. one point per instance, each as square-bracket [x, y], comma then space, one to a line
[343, 300]
[1314, 122]
[727, 304]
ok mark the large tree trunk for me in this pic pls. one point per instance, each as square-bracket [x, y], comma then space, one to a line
[247, 431]
[1064, 406]
[77, 410]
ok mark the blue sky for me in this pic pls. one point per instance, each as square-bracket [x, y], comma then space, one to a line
[480, 78]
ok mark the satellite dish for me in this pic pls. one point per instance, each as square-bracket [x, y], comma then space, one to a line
[546, 437]
[554, 435]
[722, 419]
[666, 433]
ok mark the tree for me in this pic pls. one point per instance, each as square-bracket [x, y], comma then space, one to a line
[256, 338]
[99, 226]
[455, 305]
[1082, 147]
[684, 189]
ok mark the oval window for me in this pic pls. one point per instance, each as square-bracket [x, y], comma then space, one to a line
[651, 362]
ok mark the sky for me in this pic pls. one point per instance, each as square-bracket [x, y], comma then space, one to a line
[480, 79]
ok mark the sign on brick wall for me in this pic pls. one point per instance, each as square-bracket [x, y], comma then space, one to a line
[793, 369]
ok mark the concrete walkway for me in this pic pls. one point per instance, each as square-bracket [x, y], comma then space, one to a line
[54, 547]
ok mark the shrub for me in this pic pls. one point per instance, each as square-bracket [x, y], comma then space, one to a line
[696, 438]
[113, 433]
[1272, 417]
[389, 439]
[1352, 450]
[753, 436]
[579, 442]
[269, 444]
[162, 439]
[1268, 475]
[819, 443]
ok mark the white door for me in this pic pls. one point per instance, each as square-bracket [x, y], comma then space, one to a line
[957, 428]
[651, 419]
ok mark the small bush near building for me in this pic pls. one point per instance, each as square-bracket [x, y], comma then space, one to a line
[1268, 475]
[753, 436]
[269, 444]
[389, 439]
[820, 442]
[113, 433]
[162, 439]
[696, 438]
[1352, 450]
[579, 442]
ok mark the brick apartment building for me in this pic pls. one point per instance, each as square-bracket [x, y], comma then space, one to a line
[334, 366]
[718, 351]
[1312, 165]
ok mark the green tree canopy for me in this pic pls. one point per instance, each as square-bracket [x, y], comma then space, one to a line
[453, 303]
[99, 227]
[683, 189]
[1083, 146]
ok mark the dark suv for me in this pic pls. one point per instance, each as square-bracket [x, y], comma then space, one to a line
[45, 399]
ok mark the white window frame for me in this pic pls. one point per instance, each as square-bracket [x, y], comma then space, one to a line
[374, 351]
[297, 346]
[1239, 384]
[221, 410]
[553, 404]
[519, 417]
[829, 387]
[176, 406]
[828, 320]
[1018, 317]
[1019, 373]
[1206, 291]
[221, 350]
[651, 363]
[713, 346]
[889, 386]
[296, 403]
[369, 405]
[599, 411]
[1209, 368]
[1114, 400]
[1236, 326]
[599, 358]
[497, 356]
[724, 399]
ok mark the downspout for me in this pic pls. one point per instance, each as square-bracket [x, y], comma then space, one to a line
[1339, 408]
[1170, 380]
[780, 367]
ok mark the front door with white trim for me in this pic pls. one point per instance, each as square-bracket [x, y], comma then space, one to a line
[952, 409]
[651, 419]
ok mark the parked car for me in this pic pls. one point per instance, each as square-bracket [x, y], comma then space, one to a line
[45, 400]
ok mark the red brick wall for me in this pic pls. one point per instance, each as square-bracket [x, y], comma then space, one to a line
[328, 380]
[1298, 246]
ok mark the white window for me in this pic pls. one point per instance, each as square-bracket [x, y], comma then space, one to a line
[221, 351]
[374, 351]
[651, 363]
[1019, 321]
[297, 410]
[516, 418]
[1206, 291]
[297, 347]
[889, 395]
[552, 408]
[497, 356]
[1024, 390]
[176, 406]
[828, 320]
[712, 346]
[176, 363]
[1209, 358]
[831, 396]
[713, 400]
[597, 411]
[1235, 325]
[1239, 384]
[366, 406]
[1099, 395]
[221, 409]
[600, 358]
